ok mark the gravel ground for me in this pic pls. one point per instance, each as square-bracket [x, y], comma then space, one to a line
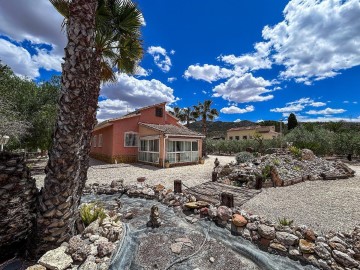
[192, 175]
[323, 205]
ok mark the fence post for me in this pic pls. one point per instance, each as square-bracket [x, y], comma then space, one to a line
[177, 186]
[227, 199]
[214, 176]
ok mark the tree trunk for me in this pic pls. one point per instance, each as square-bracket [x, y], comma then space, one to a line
[89, 119]
[59, 199]
[204, 154]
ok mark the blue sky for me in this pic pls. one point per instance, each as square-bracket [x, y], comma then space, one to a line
[257, 60]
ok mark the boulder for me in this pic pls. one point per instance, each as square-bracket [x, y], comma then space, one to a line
[344, 259]
[239, 220]
[307, 154]
[267, 232]
[56, 259]
[224, 213]
[287, 239]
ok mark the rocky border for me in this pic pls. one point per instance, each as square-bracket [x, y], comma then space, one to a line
[333, 251]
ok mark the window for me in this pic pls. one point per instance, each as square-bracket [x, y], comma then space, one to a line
[230, 137]
[159, 112]
[182, 151]
[251, 137]
[245, 137]
[237, 138]
[94, 140]
[149, 150]
[100, 140]
[131, 139]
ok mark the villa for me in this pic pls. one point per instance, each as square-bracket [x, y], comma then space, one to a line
[148, 135]
[248, 133]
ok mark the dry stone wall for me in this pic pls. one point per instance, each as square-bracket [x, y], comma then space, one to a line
[17, 203]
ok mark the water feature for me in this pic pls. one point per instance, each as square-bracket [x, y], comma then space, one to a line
[147, 248]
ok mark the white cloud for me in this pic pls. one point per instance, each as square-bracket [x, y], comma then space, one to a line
[289, 109]
[302, 118]
[318, 104]
[317, 39]
[245, 88]
[235, 110]
[171, 79]
[161, 59]
[237, 120]
[130, 93]
[23, 64]
[298, 105]
[355, 102]
[172, 52]
[327, 111]
[142, 72]
[204, 92]
[208, 73]
[346, 101]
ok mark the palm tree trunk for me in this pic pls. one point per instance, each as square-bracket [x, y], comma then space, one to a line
[59, 199]
[90, 106]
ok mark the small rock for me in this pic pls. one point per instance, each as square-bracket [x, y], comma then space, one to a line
[56, 259]
[287, 238]
[294, 251]
[278, 246]
[344, 259]
[239, 220]
[129, 215]
[306, 246]
[176, 247]
[322, 250]
[36, 267]
[78, 249]
[224, 213]
[309, 235]
[212, 259]
[105, 248]
[266, 231]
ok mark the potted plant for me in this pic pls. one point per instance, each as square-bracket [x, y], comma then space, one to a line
[167, 163]
[201, 160]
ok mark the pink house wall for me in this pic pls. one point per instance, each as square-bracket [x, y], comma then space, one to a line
[114, 136]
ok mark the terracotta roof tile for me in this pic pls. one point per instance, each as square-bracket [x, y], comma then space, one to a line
[172, 129]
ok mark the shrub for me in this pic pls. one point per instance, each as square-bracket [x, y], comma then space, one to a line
[90, 212]
[243, 157]
[296, 152]
[285, 222]
[266, 172]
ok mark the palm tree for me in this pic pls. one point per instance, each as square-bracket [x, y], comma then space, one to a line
[190, 115]
[178, 113]
[103, 36]
[205, 112]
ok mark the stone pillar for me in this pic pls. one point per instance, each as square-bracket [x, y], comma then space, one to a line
[17, 204]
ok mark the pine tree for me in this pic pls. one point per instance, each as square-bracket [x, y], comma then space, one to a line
[292, 121]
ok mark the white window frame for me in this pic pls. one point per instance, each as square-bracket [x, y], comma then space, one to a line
[191, 152]
[137, 138]
[95, 140]
[148, 146]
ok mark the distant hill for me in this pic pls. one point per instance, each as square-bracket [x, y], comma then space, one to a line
[219, 128]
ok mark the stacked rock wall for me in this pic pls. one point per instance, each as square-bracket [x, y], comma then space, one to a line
[17, 203]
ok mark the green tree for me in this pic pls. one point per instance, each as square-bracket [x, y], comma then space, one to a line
[292, 121]
[103, 36]
[205, 112]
